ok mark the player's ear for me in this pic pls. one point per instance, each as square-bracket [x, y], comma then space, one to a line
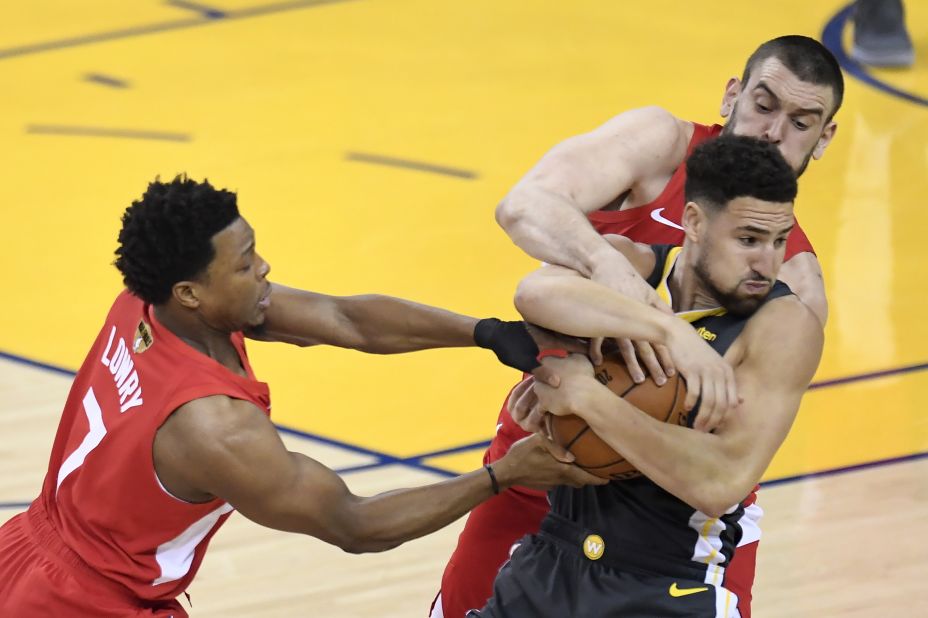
[694, 221]
[732, 90]
[186, 293]
[828, 134]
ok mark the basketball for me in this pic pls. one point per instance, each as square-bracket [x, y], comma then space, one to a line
[665, 403]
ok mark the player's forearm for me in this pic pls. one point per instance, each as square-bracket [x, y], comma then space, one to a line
[388, 325]
[583, 308]
[390, 519]
[550, 228]
[692, 465]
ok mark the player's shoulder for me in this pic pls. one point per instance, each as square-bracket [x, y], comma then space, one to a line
[786, 333]
[782, 315]
[217, 415]
[655, 122]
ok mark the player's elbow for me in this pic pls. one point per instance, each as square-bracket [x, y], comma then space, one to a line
[530, 295]
[359, 532]
[367, 546]
[353, 539]
[509, 214]
[716, 498]
[713, 509]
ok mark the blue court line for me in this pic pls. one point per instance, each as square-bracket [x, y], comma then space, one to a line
[831, 38]
[765, 484]
[37, 364]
[15, 505]
[112, 35]
[834, 471]
[208, 12]
[871, 375]
[105, 80]
[415, 461]
[382, 459]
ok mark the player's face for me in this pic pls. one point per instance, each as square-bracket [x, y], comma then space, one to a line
[740, 250]
[778, 107]
[235, 292]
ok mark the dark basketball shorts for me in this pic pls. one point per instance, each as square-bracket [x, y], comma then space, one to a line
[554, 576]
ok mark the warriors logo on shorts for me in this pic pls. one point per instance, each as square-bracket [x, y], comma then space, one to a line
[594, 547]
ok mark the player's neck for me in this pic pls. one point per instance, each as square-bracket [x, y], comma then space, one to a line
[190, 328]
[686, 289]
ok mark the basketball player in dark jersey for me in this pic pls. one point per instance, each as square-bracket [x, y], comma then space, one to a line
[626, 177]
[659, 544]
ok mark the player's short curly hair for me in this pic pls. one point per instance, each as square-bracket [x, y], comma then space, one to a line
[732, 166]
[166, 236]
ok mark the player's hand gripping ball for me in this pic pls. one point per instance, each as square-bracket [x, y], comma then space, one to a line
[665, 403]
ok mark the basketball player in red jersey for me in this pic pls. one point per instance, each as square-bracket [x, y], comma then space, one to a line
[627, 177]
[166, 429]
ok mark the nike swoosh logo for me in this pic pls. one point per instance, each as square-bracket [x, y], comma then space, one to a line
[682, 592]
[656, 215]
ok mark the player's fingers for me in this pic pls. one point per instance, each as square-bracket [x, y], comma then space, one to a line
[649, 358]
[733, 399]
[525, 404]
[707, 406]
[556, 450]
[516, 395]
[580, 477]
[596, 350]
[666, 360]
[627, 350]
[658, 303]
[534, 422]
[725, 402]
[692, 393]
[545, 374]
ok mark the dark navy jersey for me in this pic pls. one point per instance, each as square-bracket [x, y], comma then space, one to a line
[639, 522]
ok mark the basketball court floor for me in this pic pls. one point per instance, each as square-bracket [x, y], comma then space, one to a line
[369, 142]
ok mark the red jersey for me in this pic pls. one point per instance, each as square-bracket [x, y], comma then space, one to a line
[659, 223]
[101, 494]
[656, 223]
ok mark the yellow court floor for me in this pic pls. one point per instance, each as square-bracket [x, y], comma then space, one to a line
[305, 108]
[283, 101]
[369, 141]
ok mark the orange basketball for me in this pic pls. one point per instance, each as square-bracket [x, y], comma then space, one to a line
[665, 403]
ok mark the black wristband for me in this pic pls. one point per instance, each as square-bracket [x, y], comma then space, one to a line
[484, 330]
[493, 480]
[511, 342]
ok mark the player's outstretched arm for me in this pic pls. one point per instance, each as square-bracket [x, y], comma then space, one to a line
[779, 352]
[380, 324]
[220, 447]
[545, 213]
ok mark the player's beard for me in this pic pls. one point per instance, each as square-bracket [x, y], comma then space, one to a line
[731, 125]
[730, 300]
